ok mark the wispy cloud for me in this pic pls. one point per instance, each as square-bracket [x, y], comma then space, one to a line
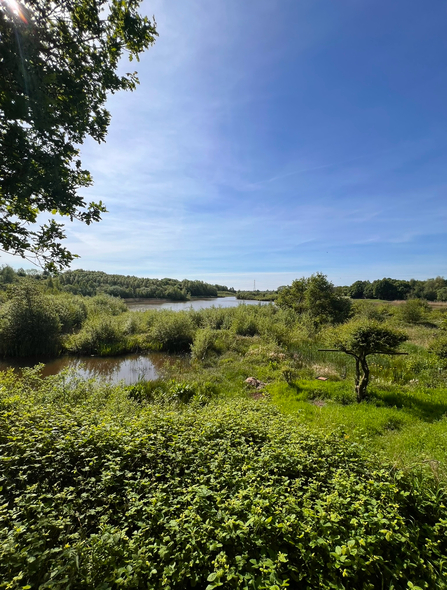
[278, 140]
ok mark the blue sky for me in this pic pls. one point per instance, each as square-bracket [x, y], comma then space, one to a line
[269, 140]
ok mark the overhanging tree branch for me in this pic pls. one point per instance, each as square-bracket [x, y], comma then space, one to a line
[58, 64]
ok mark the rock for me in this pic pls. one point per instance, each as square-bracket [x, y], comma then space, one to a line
[253, 382]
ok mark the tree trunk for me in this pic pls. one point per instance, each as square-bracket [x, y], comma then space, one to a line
[357, 374]
[361, 381]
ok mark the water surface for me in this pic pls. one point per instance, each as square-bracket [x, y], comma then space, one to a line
[145, 304]
[129, 368]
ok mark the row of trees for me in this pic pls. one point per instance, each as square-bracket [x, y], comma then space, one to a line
[91, 283]
[393, 289]
[84, 282]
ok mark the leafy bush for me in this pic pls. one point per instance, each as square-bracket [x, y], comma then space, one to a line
[370, 311]
[414, 311]
[245, 321]
[29, 324]
[106, 304]
[439, 347]
[71, 311]
[205, 342]
[100, 335]
[232, 497]
[173, 331]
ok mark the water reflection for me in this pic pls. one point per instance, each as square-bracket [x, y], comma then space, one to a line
[145, 304]
[129, 368]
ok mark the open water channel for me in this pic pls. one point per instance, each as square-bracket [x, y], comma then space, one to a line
[129, 368]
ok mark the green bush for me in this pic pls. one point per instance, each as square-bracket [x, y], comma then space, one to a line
[101, 335]
[204, 343]
[370, 311]
[245, 321]
[230, 496]
[414, 311]
[29, 324]
[173, 331]
[439, 347]
[105, 304]
[71, 311]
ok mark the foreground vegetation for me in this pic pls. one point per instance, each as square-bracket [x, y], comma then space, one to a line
[103, 491]
[204, 479]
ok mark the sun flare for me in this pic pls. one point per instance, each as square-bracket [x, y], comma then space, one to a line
[15, 8]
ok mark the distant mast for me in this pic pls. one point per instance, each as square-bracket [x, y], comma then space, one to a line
[254, 285]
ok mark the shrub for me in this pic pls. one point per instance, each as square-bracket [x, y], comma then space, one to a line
[100, 334]
[29, 324]
[245, 322]
[71, 311]
[228, 496]
[370, 311]
[205, 342]
[439, 347]
[106, 304]
[414, 311]
[173, 331]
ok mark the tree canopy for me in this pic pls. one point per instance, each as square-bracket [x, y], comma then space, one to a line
[58, 64]
[361, 338]
[316, 296]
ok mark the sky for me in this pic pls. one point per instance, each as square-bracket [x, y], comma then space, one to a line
[272, 139]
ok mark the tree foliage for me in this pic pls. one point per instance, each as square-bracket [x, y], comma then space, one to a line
[317, 297]
[361, 338]
[392, 289]
[59, 63]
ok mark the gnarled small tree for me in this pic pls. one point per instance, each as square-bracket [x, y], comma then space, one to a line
[361, 338]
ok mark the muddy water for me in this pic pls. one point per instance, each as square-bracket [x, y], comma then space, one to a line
[145, 304]
[129, 368]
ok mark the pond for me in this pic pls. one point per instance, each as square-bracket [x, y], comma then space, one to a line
[129, 368]
[145, 304]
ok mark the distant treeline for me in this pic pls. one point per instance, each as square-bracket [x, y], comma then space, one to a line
[91, 283]
[257, 295]
[387, 289]
[392, 289]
